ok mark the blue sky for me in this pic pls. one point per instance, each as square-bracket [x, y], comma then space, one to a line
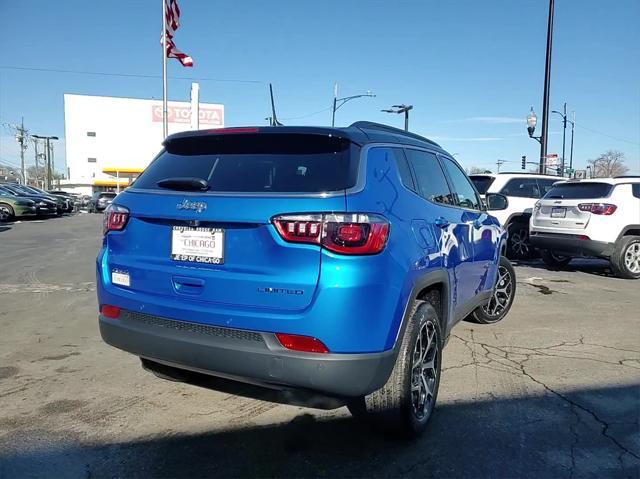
[471, 69]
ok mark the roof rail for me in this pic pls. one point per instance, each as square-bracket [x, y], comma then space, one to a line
[627, 176]
[369, 125]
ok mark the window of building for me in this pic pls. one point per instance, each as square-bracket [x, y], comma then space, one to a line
[91, 160]
[91, 133]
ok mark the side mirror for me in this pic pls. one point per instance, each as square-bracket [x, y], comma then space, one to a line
[496, 202]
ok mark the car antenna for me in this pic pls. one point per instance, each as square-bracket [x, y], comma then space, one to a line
[274, 118]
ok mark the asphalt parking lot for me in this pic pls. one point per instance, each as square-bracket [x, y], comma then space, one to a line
[553, 391]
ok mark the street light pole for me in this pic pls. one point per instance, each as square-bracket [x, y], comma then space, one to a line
[401, 109]
[338, 102]
[564, 133]
[573, 126]
[547, 85]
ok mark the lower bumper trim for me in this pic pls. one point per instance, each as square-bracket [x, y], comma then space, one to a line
[242, 358]
[571, 245]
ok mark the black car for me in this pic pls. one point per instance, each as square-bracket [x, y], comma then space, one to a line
[100, 200]
[45, 205]
[67, 203]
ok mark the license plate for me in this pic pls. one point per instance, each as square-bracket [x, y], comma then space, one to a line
[198, 245]
[558, 212]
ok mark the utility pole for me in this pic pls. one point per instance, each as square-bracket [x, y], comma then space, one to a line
[499, 163]
[401, 109]
[48, 150]
[547, 85]
[35, 149]
[22, 137]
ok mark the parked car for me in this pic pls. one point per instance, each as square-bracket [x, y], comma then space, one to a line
[12, 207]
[73, 199]
[333, 262]
[522, 190]
[100, 200]
[598, 218]
[65, 203]
[44, 205]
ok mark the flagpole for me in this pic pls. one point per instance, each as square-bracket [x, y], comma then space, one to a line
[165, 118]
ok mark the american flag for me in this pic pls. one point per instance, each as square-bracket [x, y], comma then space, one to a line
[171, 24]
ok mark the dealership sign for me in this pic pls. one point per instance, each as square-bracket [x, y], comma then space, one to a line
[209, 115]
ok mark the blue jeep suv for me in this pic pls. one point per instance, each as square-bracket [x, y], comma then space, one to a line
[327, 263]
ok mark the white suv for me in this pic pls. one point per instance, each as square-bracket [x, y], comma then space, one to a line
[523, 190]
[598, 217]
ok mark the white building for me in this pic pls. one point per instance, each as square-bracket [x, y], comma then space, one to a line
[110, 140]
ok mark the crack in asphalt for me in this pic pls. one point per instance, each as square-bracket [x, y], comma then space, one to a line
[519, 365]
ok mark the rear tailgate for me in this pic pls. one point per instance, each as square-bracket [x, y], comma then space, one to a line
[560, 206]
[219, 246]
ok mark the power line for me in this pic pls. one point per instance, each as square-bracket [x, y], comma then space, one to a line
[607, 135]
[308, 114]
[126, 75]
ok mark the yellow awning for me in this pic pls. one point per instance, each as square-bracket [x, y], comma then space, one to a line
[122, 182]
[122, 171]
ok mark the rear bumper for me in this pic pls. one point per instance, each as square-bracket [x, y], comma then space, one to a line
[571, 245]
[247, 356]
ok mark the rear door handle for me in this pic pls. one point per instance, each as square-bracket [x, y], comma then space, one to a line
[441, 222]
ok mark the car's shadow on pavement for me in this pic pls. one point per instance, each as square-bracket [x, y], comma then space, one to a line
[5, 227]
[596, 267]
[581, 433]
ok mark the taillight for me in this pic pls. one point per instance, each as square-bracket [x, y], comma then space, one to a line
[306, 344]
[352, 234]
[115, 218]
[109, 311]
[598, 208]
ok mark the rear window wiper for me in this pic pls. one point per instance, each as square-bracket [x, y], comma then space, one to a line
[184, 184]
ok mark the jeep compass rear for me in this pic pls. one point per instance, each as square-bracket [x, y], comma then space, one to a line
[289, 258]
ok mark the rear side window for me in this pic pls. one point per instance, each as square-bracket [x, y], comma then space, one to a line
[521, 188]
[482, 183]
[430, 178]
[579, 191]
[258, 163]
[636, 189]
[403, 168]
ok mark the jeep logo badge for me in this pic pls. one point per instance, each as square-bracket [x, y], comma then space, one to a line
[197, 206]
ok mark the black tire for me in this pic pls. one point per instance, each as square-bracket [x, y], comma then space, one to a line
[518, 244]
[625, 260]
[554, 260]
[504, 293]
[6, 212]
[397, 406]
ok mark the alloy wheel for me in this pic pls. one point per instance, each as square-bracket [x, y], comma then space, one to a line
[632, 258]
[424, 371]
[520, 242]
[501, 295]
[4, 213]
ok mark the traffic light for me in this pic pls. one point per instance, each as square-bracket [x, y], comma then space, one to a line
[524, 162]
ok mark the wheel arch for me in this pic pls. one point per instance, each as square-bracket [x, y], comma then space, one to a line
[432, 286]
[630, 230]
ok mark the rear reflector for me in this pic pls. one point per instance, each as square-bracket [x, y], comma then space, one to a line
[306, 344]
[109, 311]
[598, 208]
[352, 234]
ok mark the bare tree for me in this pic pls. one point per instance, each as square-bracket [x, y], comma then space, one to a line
[608, 164]
[476, 170]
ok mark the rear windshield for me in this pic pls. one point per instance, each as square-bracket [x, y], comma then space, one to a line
[579, 191]
[482, 183]
[107, 195]
[257, 163]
